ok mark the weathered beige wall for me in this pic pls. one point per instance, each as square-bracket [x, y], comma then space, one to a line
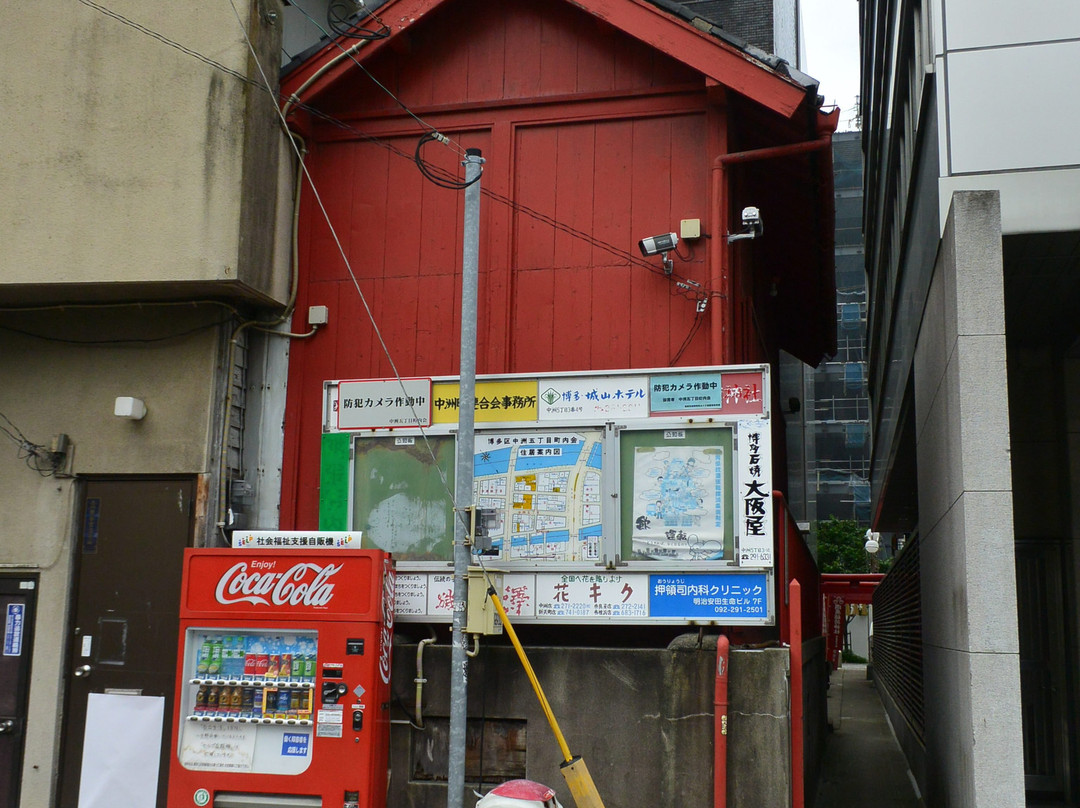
[125, 161]
[48, 387]
[133, 171]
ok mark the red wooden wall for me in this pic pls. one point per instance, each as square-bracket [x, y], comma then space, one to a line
[576, 122]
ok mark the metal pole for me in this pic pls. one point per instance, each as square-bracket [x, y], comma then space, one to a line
[463, 494]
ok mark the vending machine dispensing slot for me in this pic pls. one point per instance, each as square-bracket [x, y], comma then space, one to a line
[271, 644]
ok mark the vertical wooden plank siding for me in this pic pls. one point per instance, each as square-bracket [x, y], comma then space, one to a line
[588, 143]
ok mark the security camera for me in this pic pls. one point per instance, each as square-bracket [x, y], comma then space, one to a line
[751, 217]
[655, 245]
[752, 225]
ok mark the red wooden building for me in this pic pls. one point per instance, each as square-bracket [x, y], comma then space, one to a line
[601, 122]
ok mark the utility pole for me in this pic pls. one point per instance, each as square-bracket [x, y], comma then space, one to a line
[463, 492]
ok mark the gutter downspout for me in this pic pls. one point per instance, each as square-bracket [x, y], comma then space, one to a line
[721, 317]
[796, 664]
[720, 731]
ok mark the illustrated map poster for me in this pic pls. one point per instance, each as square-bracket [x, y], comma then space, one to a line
[546, 489]
[677, 483]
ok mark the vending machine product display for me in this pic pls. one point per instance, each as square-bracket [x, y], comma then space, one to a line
[283, 679]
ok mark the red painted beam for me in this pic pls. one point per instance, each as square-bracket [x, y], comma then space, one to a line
[715, 59]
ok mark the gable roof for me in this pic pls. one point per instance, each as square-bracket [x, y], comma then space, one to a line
[722, 58]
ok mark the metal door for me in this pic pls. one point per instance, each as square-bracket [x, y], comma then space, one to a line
[17, 601]
[1045, 712]
[125, 623]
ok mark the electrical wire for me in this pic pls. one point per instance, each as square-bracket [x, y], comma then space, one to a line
[339, 22]
[345, 259]
[120, 341]
[699, 318]
[37, 457]
[433, 174]
[349, 54]
[292, 102]
[625, 255]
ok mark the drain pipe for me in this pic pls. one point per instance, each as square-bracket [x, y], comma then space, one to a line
[722, 305]
[419, 681]
[796, 664]
[720, 707]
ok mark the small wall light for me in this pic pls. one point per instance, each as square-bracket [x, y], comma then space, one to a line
[128, 407]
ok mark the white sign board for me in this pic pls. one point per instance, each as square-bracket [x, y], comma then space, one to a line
[371, 404]
[297, 539]
[218, 746]
[754, 499]
[121, 751]
[593, 397]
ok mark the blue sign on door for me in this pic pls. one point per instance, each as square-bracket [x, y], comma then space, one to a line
[13, 629]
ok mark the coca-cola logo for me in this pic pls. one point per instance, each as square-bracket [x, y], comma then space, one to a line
[386, 633]
[303, 584]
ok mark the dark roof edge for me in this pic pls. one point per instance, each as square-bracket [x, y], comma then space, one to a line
[709, 27]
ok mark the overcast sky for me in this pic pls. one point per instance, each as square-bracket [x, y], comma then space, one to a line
[831, 48]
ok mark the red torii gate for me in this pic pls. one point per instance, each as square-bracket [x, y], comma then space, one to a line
[837, 590]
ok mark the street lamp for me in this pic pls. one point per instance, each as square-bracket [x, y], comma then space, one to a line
[872, 546]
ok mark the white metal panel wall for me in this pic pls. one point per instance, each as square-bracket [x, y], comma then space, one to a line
[1010, 108]
[978, 24]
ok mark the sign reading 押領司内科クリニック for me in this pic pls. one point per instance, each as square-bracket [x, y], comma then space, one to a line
[753, 498]
[714, 597]
[375, 403]
[325, 539]
[594, 397]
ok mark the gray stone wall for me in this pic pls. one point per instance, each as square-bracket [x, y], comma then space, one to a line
[642, 719]
[971, 652]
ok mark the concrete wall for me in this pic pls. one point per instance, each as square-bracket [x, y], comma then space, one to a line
[126, 163]
[51, 386]
[642, 719]
[971, 662]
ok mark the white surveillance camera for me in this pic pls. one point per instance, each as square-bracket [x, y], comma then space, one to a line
[751, 217]
[752, 226]
[658, 244]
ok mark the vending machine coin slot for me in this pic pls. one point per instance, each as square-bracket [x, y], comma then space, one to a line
[332, 691]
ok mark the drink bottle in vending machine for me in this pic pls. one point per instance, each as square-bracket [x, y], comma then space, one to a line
[283, 680]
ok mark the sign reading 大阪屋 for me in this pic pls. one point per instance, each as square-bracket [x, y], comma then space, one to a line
[754, 495]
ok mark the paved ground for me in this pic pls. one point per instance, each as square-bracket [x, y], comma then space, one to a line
[863, 766]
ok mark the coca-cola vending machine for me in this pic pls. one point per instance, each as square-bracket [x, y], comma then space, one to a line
[283, 680]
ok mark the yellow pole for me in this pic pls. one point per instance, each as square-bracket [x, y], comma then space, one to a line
[567, 757]
[573, 768]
